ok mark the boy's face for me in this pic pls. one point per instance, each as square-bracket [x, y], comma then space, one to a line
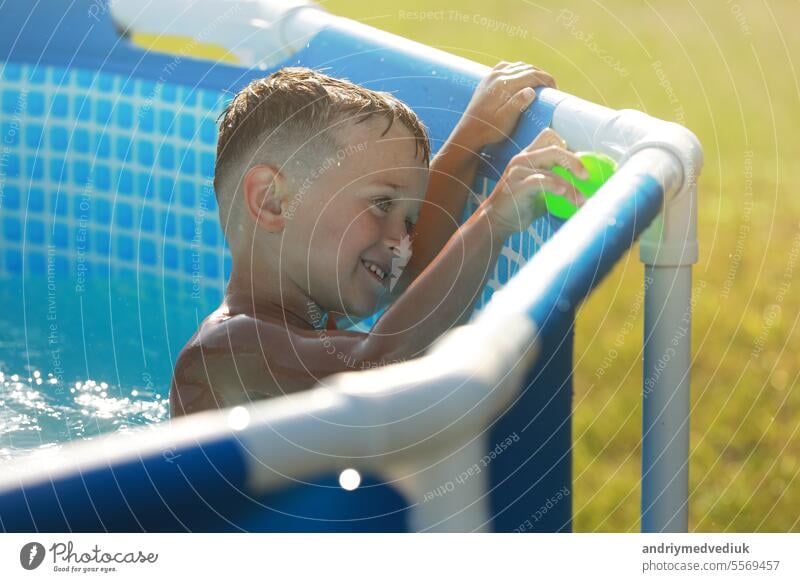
[359, 209]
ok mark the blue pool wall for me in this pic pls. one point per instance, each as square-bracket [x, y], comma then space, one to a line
[107, 177]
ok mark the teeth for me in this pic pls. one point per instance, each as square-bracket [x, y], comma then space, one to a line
[375, 269]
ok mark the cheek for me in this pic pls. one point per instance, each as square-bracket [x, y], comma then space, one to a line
[333, 244]
[359, 235]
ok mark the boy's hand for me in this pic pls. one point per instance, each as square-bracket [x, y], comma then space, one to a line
[499, 100]
[517, 200]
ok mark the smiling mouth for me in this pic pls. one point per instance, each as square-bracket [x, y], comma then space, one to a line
[377, 274]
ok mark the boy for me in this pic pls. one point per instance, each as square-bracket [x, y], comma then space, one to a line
[320, 185]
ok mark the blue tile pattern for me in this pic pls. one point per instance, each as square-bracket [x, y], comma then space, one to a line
[118, 173]
[113, 166]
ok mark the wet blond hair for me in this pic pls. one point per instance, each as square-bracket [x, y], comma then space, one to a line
[294, 114]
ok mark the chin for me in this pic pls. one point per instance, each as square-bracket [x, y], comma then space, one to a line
[359, 301]
[363, 305]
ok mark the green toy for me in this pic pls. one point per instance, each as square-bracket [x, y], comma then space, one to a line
[600, 168]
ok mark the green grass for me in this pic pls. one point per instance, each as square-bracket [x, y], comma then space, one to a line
[734, 83]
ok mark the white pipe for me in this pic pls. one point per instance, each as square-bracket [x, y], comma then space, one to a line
[260, 33]
[665, 410]
[668, 248]
[620, 134]
[580, 123]
[447, 490]
[414, 423]
[376, 418]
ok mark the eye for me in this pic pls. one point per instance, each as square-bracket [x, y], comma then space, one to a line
[383, 204]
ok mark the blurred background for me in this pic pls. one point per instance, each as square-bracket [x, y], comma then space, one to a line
[729, 72]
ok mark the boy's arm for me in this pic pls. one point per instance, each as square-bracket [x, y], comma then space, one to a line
[490, 117]
[444, 295]
[248, 359]
[452, 172]
[242, 358]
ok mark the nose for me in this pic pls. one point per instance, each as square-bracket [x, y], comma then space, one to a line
[396, 231]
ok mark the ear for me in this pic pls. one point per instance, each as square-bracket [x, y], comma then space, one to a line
[265, 197]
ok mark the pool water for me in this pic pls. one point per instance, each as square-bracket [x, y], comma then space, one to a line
[77, 361]
[87, 352]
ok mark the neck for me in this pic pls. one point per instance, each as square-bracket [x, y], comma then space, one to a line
[290, 303]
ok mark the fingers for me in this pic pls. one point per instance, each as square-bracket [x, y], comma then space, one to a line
[520, 101]
[553, 155]
[513, 68]
[549, 149]
[506, 67]
[531, 77]
[512, 83]
[544, 181]
[547, 137]
[515, 76]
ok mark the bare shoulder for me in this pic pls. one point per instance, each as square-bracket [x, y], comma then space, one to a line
[237, 359]
[219, 356]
